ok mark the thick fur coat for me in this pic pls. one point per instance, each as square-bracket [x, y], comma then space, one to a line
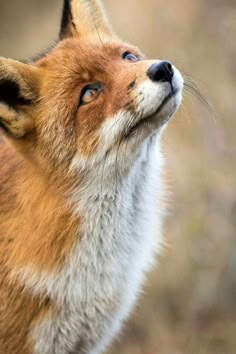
[81, 196]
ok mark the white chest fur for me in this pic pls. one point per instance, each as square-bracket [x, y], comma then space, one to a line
[98, 287]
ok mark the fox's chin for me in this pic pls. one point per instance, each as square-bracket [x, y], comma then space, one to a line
[149, 125]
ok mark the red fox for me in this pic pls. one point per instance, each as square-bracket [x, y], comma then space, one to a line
[80, 185]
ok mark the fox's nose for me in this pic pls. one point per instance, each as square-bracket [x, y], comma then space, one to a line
[161, 72]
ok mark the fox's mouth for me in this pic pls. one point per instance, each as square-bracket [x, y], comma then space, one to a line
[153, 117]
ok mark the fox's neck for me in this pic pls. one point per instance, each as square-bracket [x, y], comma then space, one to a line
[103, 234]
[55, 220]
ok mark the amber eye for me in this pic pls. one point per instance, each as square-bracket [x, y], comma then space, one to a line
[130, 57]
[90, 93]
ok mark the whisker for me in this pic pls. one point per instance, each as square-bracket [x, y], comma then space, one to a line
[103, 170]
[191, 86]
[122, 116]
[117, 175]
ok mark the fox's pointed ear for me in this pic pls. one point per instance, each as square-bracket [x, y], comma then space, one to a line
[83, 17]
[18, 93]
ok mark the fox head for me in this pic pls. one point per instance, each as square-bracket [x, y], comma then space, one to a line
[91, 98]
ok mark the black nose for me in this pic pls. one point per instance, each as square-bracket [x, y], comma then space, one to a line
[161, 72]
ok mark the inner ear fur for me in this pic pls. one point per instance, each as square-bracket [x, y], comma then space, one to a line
[18, 93]
[83, 17]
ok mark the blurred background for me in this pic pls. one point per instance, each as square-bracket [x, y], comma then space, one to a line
[189, 303]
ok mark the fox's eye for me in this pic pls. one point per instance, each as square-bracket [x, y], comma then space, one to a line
[130, 57]
[90, 93]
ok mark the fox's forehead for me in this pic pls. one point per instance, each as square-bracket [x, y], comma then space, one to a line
[86, 59]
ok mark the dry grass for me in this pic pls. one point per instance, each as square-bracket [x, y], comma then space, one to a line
[189, 305]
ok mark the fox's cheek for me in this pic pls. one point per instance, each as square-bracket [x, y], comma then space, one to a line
[148, 96]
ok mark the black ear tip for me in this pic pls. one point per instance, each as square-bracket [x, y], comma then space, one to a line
[66, 18]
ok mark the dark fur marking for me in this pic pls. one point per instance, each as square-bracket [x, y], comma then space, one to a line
[66, 18]
[4, 128]
[42, 54]
[10, 93]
